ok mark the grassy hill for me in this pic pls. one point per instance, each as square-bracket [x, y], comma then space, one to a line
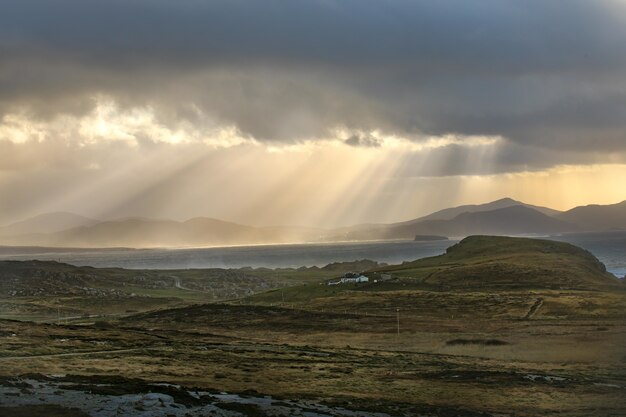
[44, 289]
[452, 335]
[480, 263]
[480, 278]
[508, 263]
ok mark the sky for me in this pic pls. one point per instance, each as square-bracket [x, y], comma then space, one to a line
[317, 112]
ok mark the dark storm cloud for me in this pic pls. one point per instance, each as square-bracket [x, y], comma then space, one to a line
[366, 140]
[458, 159]
[541, 73]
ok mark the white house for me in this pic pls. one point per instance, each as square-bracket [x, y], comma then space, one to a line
[350, 277]
[360, 278]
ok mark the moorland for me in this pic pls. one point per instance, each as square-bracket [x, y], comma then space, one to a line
[496, 326]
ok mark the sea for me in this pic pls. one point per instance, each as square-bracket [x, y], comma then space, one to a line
[608, 247]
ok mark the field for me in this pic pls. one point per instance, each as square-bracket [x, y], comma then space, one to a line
[551, 345]
[51, 291]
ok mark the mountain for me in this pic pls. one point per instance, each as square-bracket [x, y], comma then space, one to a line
[506, 262]
[501, 217]
[403, 230]
[596, 217]
[451, 213]
[510, 220]
[138, 232]
[513, 220]
[46, 223]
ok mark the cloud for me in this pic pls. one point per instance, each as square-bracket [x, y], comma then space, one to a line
[545, 77]
[366, 140]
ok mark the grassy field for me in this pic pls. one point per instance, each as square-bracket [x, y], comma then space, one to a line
[51, 291]
[493, 263]
[401, 347]
[496, 366]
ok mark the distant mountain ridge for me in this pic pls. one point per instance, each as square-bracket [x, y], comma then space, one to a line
[501, 217]
[450, 213]
[136, 232]
[386, 231]
[513, 220]
[510, 220]
[596, 217]
[47, 223]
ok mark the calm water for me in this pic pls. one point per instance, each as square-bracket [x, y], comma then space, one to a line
[610, 248]
[271, 256]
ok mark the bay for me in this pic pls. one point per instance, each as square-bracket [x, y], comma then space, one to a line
[609, 247]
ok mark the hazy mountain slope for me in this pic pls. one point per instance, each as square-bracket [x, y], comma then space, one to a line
[450, 213]
[501, 217]
[510, 220]
[46, 223]
[158, 233]
[402, 230]
[597, 217]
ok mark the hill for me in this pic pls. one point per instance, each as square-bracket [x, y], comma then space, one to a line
[501, 217]
[504, 221]
[480, 262]
[394, 347]
[46, 223]
[480, 278]
[42, 289]
[510, 220]
[452, 212]
[403, 230]
[596, 217]
[138, 232]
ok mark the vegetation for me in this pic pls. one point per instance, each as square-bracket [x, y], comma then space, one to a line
[44, 290]
[508, 263]
[413, 343]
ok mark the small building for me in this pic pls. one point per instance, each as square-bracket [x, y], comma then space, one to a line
[362, 278]
[358, 278]
[353, 278]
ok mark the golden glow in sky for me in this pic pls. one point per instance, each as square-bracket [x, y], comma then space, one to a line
[311, 112]
[112, 163]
